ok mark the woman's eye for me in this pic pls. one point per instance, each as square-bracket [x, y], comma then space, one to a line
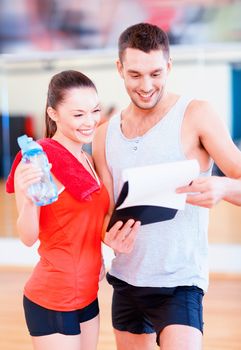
[97, 110]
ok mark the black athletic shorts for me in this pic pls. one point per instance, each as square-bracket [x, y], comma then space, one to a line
[141, 310]
[42, 321]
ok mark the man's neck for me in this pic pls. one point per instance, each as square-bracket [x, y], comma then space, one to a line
[136, 121]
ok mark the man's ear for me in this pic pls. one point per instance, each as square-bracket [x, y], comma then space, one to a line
[52, 113]
[169, 65]
[119, 67]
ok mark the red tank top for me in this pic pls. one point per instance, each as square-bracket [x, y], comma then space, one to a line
[67, 275]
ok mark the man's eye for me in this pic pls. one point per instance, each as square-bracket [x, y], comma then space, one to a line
[78, 115]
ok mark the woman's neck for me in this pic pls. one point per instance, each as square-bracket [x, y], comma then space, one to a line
[73, 147]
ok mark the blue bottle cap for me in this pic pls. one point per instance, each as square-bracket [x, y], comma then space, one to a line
[26, 143]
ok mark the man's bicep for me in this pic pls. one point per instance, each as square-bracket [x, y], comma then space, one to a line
[217, 141]
[99, 157]
[98, 151]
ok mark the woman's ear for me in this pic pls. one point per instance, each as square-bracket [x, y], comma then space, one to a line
[52, 113]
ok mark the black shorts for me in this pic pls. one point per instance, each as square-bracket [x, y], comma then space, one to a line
[42, 321]
[141, 310]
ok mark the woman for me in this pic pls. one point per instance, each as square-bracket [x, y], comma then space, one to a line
[60, 298]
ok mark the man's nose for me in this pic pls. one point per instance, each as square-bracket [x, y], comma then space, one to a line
[146, 85]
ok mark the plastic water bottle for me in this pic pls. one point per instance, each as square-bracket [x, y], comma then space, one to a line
[45, 191]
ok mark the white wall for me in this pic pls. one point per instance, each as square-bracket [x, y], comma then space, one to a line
[196, 73]
[225, 258]
[205, 75]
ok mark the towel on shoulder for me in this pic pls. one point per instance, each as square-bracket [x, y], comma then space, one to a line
[65, 167]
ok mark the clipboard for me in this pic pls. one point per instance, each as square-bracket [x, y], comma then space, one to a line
[148, 193]
[146, 214]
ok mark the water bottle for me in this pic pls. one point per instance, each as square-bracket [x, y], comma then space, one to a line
[45, 191]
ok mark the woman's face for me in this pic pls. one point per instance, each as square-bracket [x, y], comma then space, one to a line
[78, 115]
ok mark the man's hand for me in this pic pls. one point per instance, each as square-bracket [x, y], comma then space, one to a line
[121, 237]
[205, 191]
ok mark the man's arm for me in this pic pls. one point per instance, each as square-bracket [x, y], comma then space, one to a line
[215, 139]
[99, 157]
[120, 237]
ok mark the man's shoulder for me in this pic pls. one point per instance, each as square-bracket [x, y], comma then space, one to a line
[197, 105]
[199, 109]
[101, 131]
[201, 115]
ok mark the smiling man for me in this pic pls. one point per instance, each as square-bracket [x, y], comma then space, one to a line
[159, 285]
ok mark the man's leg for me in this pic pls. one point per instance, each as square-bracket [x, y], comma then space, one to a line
[180, 337]
[130, 341]
[133, 331]
[178, 318]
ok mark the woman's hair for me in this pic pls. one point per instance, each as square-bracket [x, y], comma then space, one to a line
[58, 86]
[145, 37]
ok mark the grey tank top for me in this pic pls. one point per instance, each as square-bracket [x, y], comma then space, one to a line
[169, 253]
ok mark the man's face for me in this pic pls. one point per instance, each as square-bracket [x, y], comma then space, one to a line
[144, 76]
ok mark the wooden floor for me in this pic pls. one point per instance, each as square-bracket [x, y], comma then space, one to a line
[222, 313]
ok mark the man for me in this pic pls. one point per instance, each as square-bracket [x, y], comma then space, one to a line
[159, 285]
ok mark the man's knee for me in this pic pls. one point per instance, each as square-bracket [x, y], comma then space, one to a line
[130, 341]
[180, 337]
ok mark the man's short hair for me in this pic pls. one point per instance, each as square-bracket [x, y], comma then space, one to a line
[145, 37]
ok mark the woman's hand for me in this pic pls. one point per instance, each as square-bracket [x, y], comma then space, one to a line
[26, 174]
[121, 237]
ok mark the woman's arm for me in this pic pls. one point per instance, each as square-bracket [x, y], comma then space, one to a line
[28, 212]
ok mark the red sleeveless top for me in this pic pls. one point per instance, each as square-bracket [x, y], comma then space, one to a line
[67, 275]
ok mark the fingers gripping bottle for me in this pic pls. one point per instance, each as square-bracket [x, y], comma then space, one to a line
[45, 191]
